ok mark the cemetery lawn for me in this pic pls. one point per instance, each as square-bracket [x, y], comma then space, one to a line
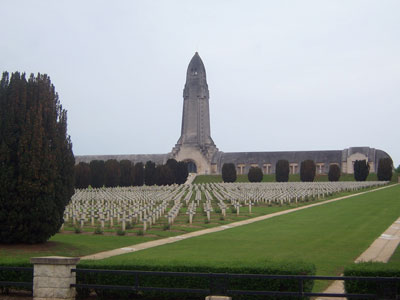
[67, 245]
[70, 244]
[331, 236]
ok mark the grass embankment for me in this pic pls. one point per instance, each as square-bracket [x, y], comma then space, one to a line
[70, 244]
[292, 178]
[331, 236]
[395, 259]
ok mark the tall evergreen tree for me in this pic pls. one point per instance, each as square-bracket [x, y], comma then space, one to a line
[36, 159]
[126, 171]
[182, 173]
[82, 175]
[97, 169]
[361, 170]
[334, 173]
[138, 174]
[112, 173]
[173, 165]
[164, 176]
[385, 169]
[150, 173]
[307, 170]
[282, 171]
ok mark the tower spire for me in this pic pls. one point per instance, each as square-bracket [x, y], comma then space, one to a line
[196, 114]
[195, 130]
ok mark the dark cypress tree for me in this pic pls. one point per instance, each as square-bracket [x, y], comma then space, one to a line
[138, 174]
[385, 169]
[307, 170]
[255, 174]
[282, 171]
[82, 175]
[150, 173]
[173, 165]
[36, 159]
[165, 176]
[112, 173]
[97, 169]
[334, 173]
[361, 170]
[182, 173]
[125, 167]
[228, 172]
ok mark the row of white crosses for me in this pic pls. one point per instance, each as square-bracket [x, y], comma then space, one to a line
[147, 205]
[280, 193]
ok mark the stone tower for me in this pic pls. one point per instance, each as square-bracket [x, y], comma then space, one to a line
[195, 144]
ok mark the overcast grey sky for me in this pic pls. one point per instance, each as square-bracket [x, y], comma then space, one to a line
[283, 75]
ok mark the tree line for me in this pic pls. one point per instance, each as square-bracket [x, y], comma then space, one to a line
[308, 171]
[113, 173]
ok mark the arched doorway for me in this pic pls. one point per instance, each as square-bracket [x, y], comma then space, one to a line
[192, 168]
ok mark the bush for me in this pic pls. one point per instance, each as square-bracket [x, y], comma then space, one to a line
[36, 159]
[307, 170]
[121, 232]
[140, 232]
[255, 174]
[129, 225]
[228, 172]
[282, 171]
[371, 269]
[239, 283]
[334, 173]
[385, 169]
[77, 230]
[98, 230]
[361, 170]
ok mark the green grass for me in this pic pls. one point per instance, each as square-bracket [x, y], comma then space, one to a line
[68, 245]
[292, 178]
[395, 259]
[331, 236]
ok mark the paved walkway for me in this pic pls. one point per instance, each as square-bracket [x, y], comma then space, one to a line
[155, 243]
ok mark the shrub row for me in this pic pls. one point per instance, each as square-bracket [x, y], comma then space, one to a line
[271, 268]
[113, 173]
[15, 276]
[371, 269]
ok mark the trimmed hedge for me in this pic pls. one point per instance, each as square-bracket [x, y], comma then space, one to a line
[371, 269]
[255, 174]
[229, 172]
[270, 268]
[16, 276]
[334, 173]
